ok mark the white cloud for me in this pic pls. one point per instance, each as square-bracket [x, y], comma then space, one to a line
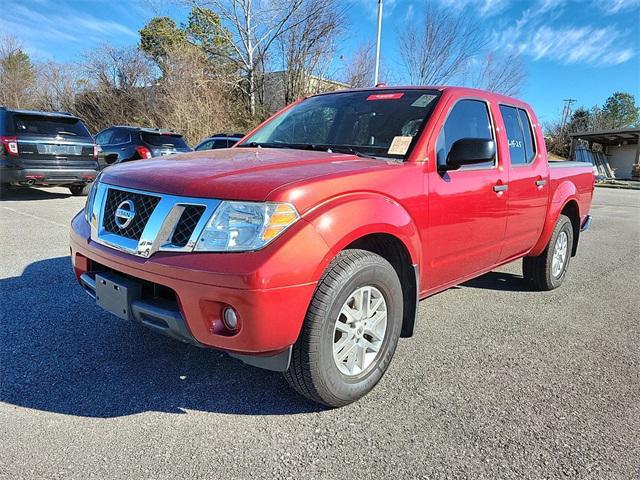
[38, 26]
[597, 46]
[616, 6]
[485, 8]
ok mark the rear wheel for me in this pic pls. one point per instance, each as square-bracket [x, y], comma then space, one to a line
[350, 332]
[548, 270]
[80, 190]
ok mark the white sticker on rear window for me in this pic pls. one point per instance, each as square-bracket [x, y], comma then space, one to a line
[399, 145]
[423, 100]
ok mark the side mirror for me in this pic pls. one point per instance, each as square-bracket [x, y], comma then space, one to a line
[469, 151]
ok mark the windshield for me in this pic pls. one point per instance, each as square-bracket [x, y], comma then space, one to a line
[380, 123]
[41, 125]
[164, 140]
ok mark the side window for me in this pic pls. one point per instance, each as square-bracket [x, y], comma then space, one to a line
[120, 136]
[103, 137]
[519, 135]
[467, 119]
[514, 135]
[219, 143]
[529, 144]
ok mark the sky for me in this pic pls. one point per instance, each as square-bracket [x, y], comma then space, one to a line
[580, 49]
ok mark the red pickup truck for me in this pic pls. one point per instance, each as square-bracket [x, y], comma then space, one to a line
[306, 247]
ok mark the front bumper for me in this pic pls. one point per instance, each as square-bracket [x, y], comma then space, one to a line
[266, 288]
[46, 176]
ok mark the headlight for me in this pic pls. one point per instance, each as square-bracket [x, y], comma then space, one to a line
[239, 226]
[88, 208]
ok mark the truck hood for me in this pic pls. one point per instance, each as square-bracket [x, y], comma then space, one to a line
[232, 174]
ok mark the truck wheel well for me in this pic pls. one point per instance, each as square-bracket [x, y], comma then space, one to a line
[394, 251]
[572, 211]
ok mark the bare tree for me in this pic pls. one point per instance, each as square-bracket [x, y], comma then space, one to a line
[308, 47]
[359, 67]
[191, 100]
[57, 86]
[119, 88]
[440, 47]
[252, 27]
[17, 74]
[503, 75]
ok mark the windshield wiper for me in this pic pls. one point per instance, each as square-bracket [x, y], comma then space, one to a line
[357, 153]
[264, 145]
[311, 146]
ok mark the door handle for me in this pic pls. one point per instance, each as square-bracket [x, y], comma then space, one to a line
[500, 188]
[540, 183]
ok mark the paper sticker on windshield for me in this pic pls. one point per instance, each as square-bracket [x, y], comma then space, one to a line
[400, 145]
[385, 96]
[423, 100]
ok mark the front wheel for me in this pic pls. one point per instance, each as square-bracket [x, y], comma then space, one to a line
[80, 190]
[350, 332]
[548, 270]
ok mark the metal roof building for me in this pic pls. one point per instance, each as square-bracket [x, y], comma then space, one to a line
[621, 148]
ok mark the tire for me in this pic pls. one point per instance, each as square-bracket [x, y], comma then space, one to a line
[313, 371]
[80, 190]
[540, 271]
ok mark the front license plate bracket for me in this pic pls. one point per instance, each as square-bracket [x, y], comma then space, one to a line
[115, 294]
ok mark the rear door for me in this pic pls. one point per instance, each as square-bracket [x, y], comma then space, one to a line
[52, 141]
[528, 181]
[467, 207]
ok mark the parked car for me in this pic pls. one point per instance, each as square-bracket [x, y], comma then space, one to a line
[220, 140]
[46, 148]
[125, 143]
[306, 248]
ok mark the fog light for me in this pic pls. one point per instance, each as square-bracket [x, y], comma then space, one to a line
[230, 318]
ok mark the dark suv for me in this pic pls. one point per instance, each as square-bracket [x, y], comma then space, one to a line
[46, 148]
[125, 143]
[220, 140]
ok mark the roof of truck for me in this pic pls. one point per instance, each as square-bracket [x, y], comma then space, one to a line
[462, 91]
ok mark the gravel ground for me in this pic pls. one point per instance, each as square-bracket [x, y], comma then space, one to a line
[498, 382]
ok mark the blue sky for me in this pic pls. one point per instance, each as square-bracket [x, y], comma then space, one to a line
[583, 49]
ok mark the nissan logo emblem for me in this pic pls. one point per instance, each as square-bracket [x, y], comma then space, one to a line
[125, 213]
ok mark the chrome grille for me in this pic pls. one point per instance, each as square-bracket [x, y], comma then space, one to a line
[187, 224]
[144, 207]
[162, 222]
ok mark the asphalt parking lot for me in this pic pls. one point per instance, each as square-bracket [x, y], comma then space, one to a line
[498, 382]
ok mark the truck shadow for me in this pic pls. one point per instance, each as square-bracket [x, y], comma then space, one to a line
[60, 353]
[499, 281]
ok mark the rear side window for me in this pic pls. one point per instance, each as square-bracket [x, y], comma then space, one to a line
[160, 140]
[467, 119]
[529, 144]
[120, 136]
[219, 144]
[519, 135]
[41, 125]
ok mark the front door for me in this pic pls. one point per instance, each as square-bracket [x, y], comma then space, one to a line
[467, 207]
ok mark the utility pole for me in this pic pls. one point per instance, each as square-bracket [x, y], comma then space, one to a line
[566, 112]
[377, 68]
